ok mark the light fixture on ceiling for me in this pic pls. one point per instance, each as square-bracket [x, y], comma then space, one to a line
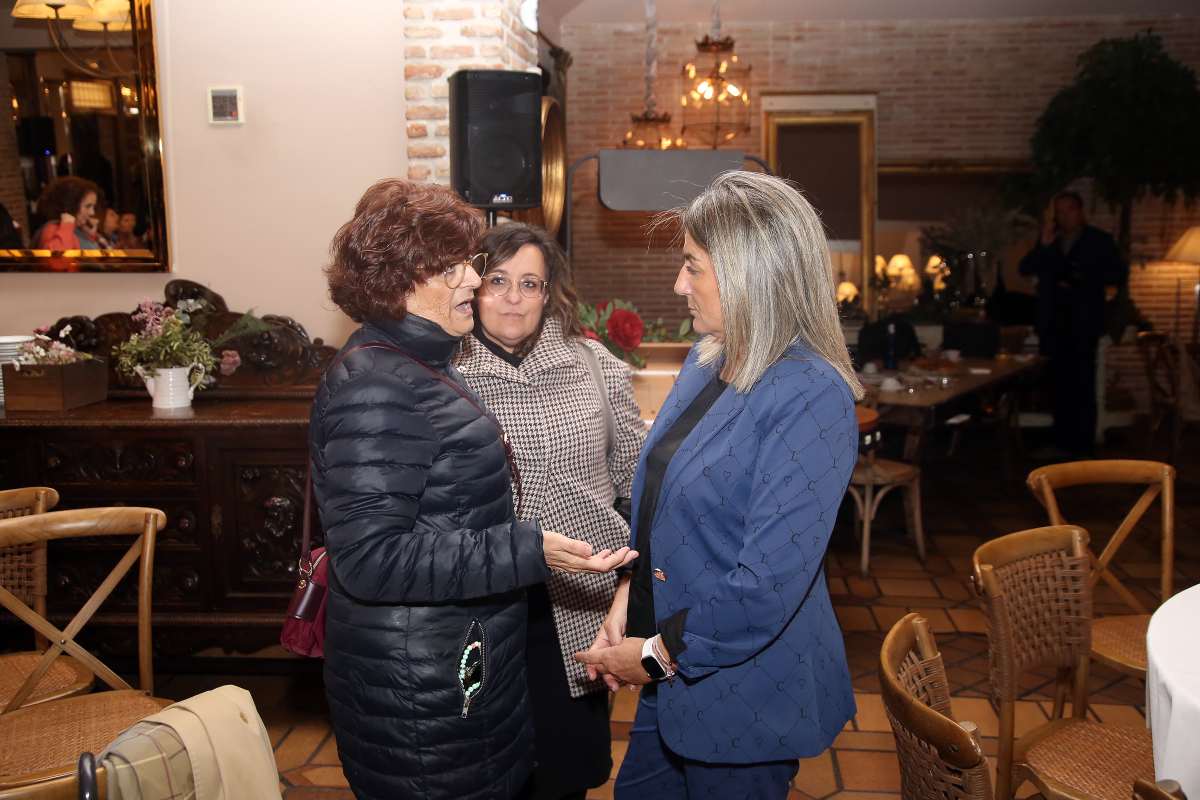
[650, 130]
[716, 95]
[105, 16]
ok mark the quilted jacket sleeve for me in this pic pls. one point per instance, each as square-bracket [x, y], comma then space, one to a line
[806, 452]
[374, 451]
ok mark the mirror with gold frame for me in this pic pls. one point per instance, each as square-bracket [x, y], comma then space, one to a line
[80, 80]
[826, 145]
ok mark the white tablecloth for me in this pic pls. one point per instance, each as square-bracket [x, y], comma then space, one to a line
[1173, 689]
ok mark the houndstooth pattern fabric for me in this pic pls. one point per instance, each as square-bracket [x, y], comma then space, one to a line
[551, 410]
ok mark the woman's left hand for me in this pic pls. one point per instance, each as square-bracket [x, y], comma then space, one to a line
[622, 661]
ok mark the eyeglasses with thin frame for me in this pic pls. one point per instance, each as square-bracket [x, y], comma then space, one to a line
[456, 273]
[497, 285]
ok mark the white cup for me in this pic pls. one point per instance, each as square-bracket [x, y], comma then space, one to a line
[952, 355]
[869, 368]
[890, 384]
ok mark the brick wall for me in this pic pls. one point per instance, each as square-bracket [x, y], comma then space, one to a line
[441, 36]
[967, 90]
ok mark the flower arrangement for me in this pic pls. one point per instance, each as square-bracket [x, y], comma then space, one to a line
[171, 337]
[617, 325]
[657, 331]
[42, 350]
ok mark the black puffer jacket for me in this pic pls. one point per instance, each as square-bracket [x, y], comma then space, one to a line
[428, 567]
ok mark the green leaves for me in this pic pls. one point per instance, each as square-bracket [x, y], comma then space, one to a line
[177, 346]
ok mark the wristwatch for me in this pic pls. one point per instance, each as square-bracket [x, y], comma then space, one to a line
[654, 666]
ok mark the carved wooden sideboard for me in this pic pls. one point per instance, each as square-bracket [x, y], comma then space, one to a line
[229, 473]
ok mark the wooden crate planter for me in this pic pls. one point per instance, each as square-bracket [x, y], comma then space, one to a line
[54, 387]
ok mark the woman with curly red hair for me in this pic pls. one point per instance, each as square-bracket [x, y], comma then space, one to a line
[425, 633]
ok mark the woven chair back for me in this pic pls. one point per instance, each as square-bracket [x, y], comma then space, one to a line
[1037, 601]
[939, 758]
[1163, 790]
[23, 566]
[143, 523]
[1159, 480]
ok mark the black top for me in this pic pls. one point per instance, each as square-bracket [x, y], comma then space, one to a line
[1071, 280]
[640, 621]
[494, 347]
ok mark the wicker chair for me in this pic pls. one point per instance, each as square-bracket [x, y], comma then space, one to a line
[1118, 641]
[42, 742]
[939, 758]
[1163, 790]
[23, 572]
[1038, 603]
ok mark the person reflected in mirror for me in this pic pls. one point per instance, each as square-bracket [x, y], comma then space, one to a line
[568, 407]
[1075, 263]
[413, 480]
[108, 228]
[127, 237]
[725, 620]
[68, 204]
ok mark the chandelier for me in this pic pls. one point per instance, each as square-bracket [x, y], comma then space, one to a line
[716, 96]
[650, 130]
[104, 16]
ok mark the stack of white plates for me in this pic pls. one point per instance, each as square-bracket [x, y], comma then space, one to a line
[9, 345]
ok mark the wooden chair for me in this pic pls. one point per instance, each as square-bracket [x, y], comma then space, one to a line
[873, 478]
[1038, 603]
[939, 758]
[23, 572]
[1160, 359]
[1163, 790]
[42, 742]
[1118, 641]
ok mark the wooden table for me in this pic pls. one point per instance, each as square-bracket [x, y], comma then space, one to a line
[923, 404]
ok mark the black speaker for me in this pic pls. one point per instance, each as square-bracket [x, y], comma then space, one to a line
[496, 138]
[35, 137]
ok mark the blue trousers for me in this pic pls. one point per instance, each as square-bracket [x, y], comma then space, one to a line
[650, 770]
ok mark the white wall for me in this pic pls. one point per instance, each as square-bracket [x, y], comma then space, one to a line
[251, 208]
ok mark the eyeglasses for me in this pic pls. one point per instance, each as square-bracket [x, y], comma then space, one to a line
[455, 274]
[498, 284]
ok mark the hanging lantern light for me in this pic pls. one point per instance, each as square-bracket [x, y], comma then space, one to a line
[715, 104]
[650, 130]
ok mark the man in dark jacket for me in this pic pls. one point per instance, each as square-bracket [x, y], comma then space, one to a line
[1074, 262]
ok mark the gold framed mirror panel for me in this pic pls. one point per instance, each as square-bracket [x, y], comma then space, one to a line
[136, 164]
[844, 150]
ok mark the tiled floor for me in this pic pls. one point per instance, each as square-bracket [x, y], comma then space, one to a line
[966, 502]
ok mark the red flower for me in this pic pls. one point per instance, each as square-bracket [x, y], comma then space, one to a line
[602, 307]
[591, 334]
[625, 329]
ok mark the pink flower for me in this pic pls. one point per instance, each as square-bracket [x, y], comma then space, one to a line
[151, 316]
[230, 361]
[42, 331]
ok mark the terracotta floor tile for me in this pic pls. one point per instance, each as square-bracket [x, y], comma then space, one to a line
[604, 792]
[977, 710]
[887, 616]
[864, 740]
[861, 587]
[871, 715]
[838, 586]
[816, 777]
[1118, 714]
[863, 770]
[624, 706]
[311, 793]
[953, 588]
[907, 587]
[328, 753]
[330, 777]
[864, 796]
[300, 744]
[968, 620]
[892, 561]
[619, 749]
[855, 618]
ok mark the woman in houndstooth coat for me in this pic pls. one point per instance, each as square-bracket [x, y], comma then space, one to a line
[576, 450]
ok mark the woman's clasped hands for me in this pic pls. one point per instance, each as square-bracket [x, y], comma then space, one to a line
[613, 657]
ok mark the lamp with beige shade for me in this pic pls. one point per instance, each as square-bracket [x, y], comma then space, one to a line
[1187, 251]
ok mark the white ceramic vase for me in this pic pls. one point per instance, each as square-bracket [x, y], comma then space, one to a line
[171, 388]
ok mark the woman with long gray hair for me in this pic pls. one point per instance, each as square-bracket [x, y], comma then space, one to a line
[725, 619]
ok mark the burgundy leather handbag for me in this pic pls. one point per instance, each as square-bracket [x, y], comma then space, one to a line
[304, 627]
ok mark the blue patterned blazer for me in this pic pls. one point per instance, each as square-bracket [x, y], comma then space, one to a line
[743, 520]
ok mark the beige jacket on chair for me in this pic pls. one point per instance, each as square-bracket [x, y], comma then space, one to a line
[209, 747]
